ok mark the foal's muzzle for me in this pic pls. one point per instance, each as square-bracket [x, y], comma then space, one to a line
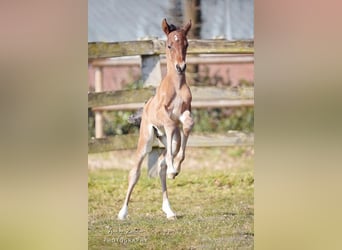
[181, 68]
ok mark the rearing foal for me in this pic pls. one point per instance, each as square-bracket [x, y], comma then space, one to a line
[163, 116]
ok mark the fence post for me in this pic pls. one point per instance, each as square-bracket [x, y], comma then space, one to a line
[98, 114]
[150, 70]
[150, 67]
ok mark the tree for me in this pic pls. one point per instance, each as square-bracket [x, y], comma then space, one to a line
[192, 10]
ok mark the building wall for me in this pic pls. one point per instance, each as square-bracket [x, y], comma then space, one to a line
[115, 78]
[129, 20]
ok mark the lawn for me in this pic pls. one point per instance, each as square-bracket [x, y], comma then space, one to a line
[214, 205]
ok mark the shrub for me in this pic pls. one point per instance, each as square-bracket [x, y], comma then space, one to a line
[206, 120]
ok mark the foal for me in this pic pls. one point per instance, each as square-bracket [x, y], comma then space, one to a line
[162, 116]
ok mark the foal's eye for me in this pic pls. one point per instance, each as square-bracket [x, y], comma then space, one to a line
[169, 46]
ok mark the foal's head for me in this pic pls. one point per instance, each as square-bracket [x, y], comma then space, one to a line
[176, 45]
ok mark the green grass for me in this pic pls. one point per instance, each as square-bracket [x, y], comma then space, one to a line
[214, 209]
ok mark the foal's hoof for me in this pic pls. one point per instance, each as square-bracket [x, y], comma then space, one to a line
[121, 217]
[172, 175]
[123, 213]
[172, 217]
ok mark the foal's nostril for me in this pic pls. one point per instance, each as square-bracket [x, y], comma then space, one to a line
[178, 68]
[181, 69]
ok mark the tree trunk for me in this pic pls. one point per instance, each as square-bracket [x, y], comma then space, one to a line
[192, 10]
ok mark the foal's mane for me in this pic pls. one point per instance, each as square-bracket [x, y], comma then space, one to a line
[172, 27]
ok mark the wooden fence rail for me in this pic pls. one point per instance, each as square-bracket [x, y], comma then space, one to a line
[195, 140]
[190, 59]
[149, 51]
[202, 97]
[157, 47]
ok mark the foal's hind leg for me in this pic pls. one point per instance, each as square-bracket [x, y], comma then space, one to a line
[162, 173]
[144, 146]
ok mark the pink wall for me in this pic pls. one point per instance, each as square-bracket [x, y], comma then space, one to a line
[114, 78]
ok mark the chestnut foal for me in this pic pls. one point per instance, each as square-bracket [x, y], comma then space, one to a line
[163, 116]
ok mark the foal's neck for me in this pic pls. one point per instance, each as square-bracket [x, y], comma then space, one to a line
[177, 80]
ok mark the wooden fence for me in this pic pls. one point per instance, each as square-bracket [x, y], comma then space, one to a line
[150, 51]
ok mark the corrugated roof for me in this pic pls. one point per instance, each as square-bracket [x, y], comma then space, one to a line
[117, 20]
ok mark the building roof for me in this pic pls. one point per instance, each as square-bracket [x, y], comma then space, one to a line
[127, 20]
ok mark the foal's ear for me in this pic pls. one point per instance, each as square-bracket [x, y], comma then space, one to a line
[166, 27]
[187, 27]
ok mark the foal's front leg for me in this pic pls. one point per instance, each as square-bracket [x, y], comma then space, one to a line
[170, 127]
[170, 130]
[188, 124]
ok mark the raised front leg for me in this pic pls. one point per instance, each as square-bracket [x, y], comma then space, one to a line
[188, 124]
[170, 132]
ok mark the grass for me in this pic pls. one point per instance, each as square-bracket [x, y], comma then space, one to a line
[214, 208]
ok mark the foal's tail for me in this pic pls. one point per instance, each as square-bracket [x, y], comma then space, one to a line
[135, 118]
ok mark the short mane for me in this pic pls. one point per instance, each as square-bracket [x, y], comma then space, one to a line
[172, 27]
